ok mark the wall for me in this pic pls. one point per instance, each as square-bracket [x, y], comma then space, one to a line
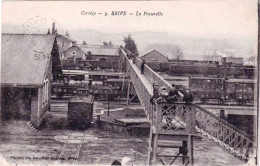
[16, 102]
[154, 56]
[69, 53]
[108, 57]
[39, 113]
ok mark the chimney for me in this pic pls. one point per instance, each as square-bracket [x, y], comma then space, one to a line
[67, 34]
[48, 31]
[84, 43]
[53, 29]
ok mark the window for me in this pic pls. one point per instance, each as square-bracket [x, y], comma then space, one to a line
[73, 52]
[45, 92]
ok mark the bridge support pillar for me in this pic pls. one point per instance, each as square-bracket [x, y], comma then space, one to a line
[167, 149]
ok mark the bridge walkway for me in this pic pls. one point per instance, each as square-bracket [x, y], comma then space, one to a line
[179, 121]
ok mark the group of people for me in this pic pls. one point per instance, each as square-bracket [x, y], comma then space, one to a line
[170, 97]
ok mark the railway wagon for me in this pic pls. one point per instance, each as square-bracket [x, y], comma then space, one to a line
[80, 112]
[213, 70]
[195, 69]
[159, 66]
[105, 92]
[240, 90]
[204, 88]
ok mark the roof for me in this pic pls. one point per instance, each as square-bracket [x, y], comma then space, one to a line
[100, 50]
[153, 51]
[66, 37]
[24, 58]
[77, 48]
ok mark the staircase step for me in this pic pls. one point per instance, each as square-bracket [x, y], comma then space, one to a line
[165, 155]
[169, 146]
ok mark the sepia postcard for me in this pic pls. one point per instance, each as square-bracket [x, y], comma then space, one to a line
[129, 83]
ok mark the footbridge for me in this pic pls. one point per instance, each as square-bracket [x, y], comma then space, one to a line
[181, 122]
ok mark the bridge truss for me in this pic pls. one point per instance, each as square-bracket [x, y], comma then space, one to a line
[179, 121]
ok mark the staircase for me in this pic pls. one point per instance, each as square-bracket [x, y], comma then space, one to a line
[59, 106]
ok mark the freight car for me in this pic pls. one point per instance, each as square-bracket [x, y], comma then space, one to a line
[212, 70]
[62, 90]
[240, 91]
[70, 85]
[205, 88]
[78, 63]
[80, 112]
[105, 92]
[195, 69]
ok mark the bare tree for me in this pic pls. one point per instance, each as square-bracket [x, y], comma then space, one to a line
[177, 53]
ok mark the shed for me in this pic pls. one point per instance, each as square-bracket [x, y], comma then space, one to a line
[28, 64]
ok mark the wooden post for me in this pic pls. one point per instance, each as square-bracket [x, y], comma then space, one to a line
[155, 144]
[190, 149]
[184, 152]
[222, 114]
[150, 150]
[128, 92]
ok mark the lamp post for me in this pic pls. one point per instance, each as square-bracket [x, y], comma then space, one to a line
[108, 102]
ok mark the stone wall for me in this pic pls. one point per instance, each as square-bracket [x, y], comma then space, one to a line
[124, 130]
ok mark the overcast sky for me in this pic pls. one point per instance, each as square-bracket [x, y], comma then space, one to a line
[214, 18]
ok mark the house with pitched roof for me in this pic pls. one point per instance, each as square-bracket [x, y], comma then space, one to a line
[75, 52]
[101, 53]
[154, 56]
[29, 63]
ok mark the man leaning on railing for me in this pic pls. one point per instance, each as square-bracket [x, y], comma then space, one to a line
[173, 95]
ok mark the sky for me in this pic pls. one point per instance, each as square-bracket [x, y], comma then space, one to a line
[215, 18]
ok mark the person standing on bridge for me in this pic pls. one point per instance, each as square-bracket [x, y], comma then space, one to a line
[155, 94]
[188, 97]
[142, 67]
[173, 95]
[163, 94]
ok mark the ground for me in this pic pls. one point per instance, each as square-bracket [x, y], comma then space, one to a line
[20, 144]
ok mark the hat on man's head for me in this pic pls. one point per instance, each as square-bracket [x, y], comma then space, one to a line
[173, 85]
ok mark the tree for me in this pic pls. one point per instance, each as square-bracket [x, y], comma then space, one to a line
[89, 56]
[178, 53]
[130, 44]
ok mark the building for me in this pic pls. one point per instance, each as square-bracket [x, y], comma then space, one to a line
[232, 60]
[101, 53]
[154, 56]
[29, 64]
[75, 52]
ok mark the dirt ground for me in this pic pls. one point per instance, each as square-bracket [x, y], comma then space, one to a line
[19, 144]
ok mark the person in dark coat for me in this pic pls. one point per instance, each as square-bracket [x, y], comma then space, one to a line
[188, 97]
[173, 95]
[155, 93]
[142, 67]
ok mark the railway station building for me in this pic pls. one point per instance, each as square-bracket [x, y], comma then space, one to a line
[29, 63]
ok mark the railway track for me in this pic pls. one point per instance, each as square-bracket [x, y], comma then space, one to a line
[71, 149]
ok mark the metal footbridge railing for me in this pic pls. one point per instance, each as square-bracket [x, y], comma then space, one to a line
[182, 118]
